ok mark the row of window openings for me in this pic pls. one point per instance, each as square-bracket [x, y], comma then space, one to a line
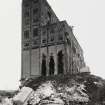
[28, 44]
[52, 65]
[35, 33]
[52, 39]
[27, 20]
[26, 33]
[27, 4]
[27, 13]
[36, 42]
[35, 13]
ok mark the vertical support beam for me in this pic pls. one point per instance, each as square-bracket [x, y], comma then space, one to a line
[56, 60]
[47, 65]
[30, 49]
[40, 34]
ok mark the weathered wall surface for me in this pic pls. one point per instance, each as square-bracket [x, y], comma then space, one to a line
[45, 38]
[35, 62]
[25, 64]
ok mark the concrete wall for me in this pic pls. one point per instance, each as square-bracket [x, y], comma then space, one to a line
[25, 64]
[35, 62]
[50, 40]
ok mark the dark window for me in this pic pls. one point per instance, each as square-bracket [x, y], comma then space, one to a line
[49, 14]
[26, 4]
[35, 1]
[35, 32]
[26, 34]
[35, 42]
[52, 38]
[52, 30]
[66, 33]
[78, 55]
[27, 21]
[26, 14]
[35, 20]
[44, 41]
[26, 44]
[74, 49]
[49, 17]
[60, 37]
[44, 32]
[35, 11]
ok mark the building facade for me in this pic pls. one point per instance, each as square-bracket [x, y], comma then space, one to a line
[49, 46]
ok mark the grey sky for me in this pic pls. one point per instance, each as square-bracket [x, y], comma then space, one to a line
[88, 17]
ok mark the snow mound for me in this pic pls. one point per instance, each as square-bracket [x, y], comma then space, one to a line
[47, 93]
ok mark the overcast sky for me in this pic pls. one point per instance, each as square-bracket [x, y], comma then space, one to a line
[87, 17]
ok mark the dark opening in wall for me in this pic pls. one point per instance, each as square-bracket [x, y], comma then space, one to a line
[36, 19]
[60, 63]
[52, 38]
[26, 45]
[49, 17]
[60, 37]
[26, 34]
[44, 41]
[35, 1]
[74, 49]
[26, 21]
[49, 14]
[35, 11]
[26, 14]
[51, 66]
[35, 32]
[44, 73]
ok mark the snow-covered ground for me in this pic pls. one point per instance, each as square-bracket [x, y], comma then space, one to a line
[46, 93]
[64, 91]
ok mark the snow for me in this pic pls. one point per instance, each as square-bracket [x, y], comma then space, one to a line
[85, 69]
[98, 83]
[6, 101]
[23, 94]
[47, 90]
[47, 94]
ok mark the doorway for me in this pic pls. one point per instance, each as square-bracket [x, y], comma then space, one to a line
[43, 72]
[60, 63]
[51, 66]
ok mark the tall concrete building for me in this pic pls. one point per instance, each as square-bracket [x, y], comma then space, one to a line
[49, 46]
